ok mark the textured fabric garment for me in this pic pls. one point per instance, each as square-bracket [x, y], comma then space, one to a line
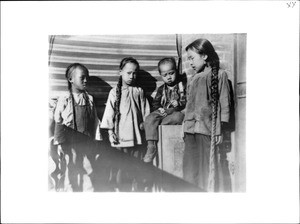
[64, 115]
[134, 108]
[166, 94]
[198, 111]
[155, 119]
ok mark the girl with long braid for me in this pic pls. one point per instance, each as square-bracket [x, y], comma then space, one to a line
[75, 122]
[207, 112]
[125, 113]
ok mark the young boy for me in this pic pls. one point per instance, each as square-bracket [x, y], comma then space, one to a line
[168, 104]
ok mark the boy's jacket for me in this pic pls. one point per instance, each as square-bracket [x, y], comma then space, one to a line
[160, 100]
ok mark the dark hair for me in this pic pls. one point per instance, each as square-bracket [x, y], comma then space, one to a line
[119, 91]
[71, 68]
[129, 60]
[204, 47]
[170, 60]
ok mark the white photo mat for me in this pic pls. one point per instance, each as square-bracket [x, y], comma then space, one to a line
[272, 126]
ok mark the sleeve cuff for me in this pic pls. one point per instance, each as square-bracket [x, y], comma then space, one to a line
[225, 118]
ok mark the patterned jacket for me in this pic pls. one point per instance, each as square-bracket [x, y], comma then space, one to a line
[165, 95]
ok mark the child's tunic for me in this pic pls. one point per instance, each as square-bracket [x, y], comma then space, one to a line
[198, 108]
[134, 107]
[86, 120]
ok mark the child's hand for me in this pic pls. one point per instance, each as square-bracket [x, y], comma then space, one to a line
[174, 103]
[142, 126]
[219, 139]
[162, 111]
[169, 111]
[113, 138]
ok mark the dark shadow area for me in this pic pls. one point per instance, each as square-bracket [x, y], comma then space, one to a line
[146, 178]
[231, 125]
[182, 78]
[147, 82]
[99, 89]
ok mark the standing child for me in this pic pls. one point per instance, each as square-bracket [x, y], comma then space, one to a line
[207, 111]
[76, 111]
[125, 112]
[168, 104]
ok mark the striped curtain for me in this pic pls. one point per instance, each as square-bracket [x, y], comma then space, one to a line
[102, 55]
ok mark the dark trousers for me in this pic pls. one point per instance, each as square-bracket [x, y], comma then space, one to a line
[196, 159]
[155, 119]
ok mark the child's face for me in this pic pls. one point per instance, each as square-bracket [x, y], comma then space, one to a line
[128, 73]
[196, 60]
[78, 80]
[168, 73]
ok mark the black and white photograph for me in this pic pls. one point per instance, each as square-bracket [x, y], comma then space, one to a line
[149, 111]
[146, 113]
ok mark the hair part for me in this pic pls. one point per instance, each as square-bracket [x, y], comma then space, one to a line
[167, 60]
[127, 60]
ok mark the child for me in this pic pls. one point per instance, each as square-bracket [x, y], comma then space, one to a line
[167, 104]
[207, 111]
[126, 109]
[125, 112]
[76, 110]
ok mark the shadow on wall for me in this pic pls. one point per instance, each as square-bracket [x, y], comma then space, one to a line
[99, 89]
[232, 108]
[148, 83]
[183, 78]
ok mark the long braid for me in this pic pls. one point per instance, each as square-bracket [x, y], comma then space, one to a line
[117, 107]
[214, 97]
[119, 94]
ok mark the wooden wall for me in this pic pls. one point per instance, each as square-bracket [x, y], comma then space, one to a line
[102, 56]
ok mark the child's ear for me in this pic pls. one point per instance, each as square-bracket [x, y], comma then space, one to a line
[204, 56]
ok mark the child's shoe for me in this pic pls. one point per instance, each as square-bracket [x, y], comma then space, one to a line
[150, 154]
